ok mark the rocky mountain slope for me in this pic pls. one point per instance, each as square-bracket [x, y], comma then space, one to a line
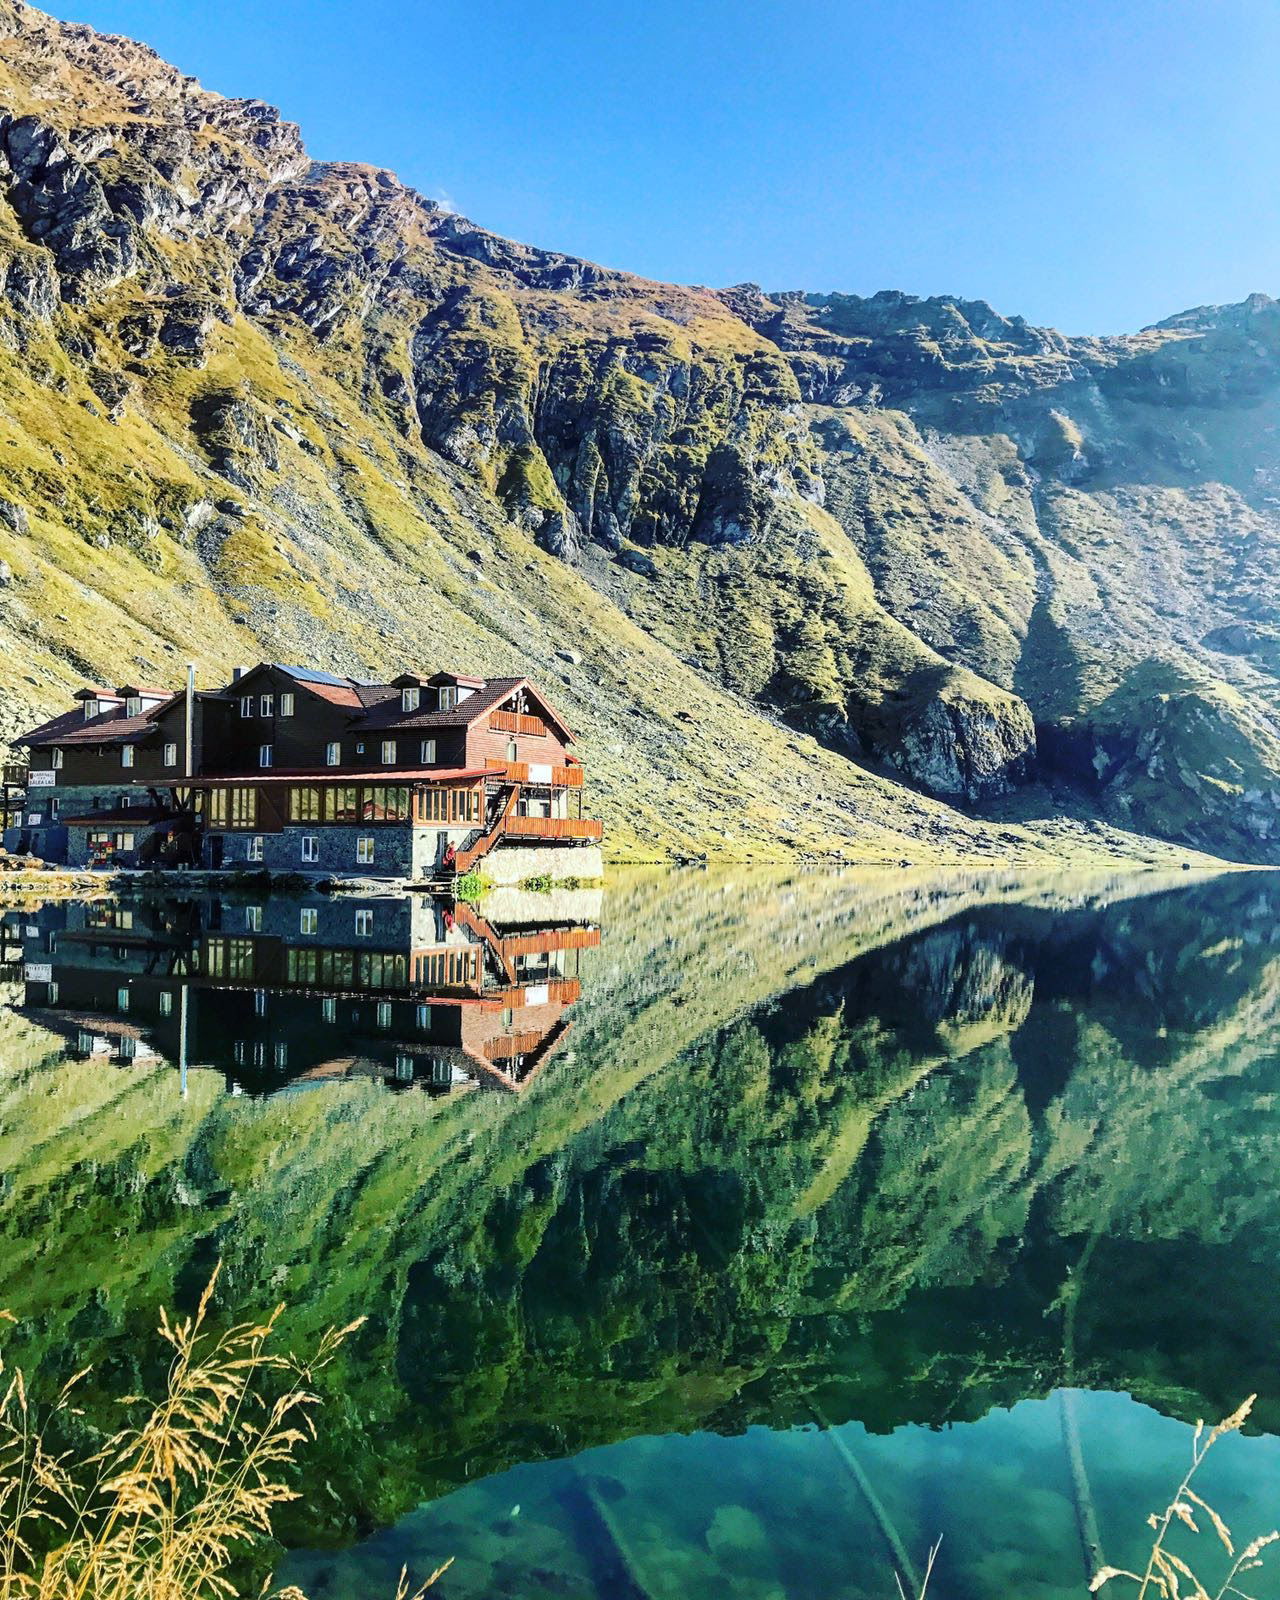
[808, 572]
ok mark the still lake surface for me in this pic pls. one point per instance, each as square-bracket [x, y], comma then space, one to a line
[732, 1234]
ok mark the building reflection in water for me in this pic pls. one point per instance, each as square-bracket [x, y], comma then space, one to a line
[294, 992]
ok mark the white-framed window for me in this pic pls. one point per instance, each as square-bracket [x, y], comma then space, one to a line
[259, 1002]
[427, 753]
[166, 1003]
[404, 1068]
[253, 919]
[383, 1013]
[265, 755]
[513, 750]
[333, 754]
[364, 924]
[55, 757]
[310, 847]
[246, 705]
[286, 705]
[122, 841]
[266, 705]
[126, 800]
[253, 852]
[171, 755]
[410, 699]
[282, 1055]
[91, 709]
[329, 1009]
[448, 696]
[238, 1052]
[122, 999]
[126, 755]
[133, 706]
[55, 806]
[388, 752]
[308, 919]
[422, 1017]
[364, 850]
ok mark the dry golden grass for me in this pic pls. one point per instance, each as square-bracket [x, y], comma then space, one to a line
[1171, 1576]
[165, 1506]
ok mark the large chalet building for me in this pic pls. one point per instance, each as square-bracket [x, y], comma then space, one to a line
[292, 771]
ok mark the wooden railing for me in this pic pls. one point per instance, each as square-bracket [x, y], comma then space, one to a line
[13, 772]
[516, 722]
[518, 772]
[554, 828]
[533, 944]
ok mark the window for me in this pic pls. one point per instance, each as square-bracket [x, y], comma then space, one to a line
[122, 999]
[286, 705]
[123, 841]
[259, 1002]
[308, 919]
[342, 803]
[266, 705]
[448, 696]
[310, 847]
[329, 1009]
[126, 800]
[264, 755]
[410, 699]
[422, 1017]
[55, 757]
[253, 919]
[388, 752]
[282, 1055]
[304, 804]
[404, 1068]
[383, 1013]
[238, 1052]
[133, 706]
[364, 851]
[254, 850]
[54, 806]
[333, 754]
[91, 709]
[171, 755]
[246, 705]
[427, 752]
[233, 808]
[513, 751]
[364, 924]
[126, 755]
[166, 1003]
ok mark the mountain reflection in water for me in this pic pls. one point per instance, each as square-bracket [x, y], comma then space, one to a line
[783, 1176]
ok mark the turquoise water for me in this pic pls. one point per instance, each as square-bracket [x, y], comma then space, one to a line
[787, 1227]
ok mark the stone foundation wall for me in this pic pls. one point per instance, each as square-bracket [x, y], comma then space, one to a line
[513, 863]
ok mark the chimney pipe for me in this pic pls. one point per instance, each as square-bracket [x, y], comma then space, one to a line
[190, 718]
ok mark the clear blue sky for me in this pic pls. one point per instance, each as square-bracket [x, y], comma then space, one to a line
[1094, 165]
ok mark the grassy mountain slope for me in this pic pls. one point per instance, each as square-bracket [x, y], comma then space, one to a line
[804, 577]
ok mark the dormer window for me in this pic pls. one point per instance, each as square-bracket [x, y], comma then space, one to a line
[410, 699]
[448, 696]
[91, 709]
[133, 706]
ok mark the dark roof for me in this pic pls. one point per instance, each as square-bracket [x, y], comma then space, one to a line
[71, 728]
[386, 713]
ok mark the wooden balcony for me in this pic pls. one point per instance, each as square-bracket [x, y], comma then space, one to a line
[568, 828]
[516, 722]
[522, 772]
[14, 773]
